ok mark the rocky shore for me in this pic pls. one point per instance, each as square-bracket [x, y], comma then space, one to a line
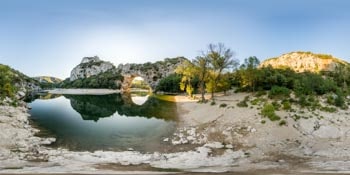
[222, 139]
[18, 144]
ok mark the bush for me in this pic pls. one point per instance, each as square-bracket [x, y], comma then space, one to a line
[339, 100]
[328, 109]
[222, 105]
[282, 122]
[170, 84]
[243, 103]
[260, 93]
[276, 105]
[257, 101]
[286, 105]
[278, 92]
[269, 111]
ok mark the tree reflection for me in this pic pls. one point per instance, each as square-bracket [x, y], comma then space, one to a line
[93, 107]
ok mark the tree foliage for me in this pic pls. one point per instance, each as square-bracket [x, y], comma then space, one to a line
[220, 58]
[170, 84]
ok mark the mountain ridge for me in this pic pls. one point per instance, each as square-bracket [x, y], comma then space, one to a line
[300, 61]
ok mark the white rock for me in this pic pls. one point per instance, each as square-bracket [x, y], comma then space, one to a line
[217, 145]
[229, 146]
[253, 130]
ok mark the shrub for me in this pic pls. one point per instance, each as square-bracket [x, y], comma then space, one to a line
[222, 105]
[260, 93]
[278, 92]
[269, 111]
[286, 105]
[263, 121]
[296, 117]
[328, 109]
[170, 84]
[243, 103]
[339, 100]
[282, 122]
[257, 101]
[276, 105]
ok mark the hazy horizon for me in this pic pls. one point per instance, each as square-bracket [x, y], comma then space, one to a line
[50, 38]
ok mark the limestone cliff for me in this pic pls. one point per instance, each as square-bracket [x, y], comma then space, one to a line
[305, 61]
[90, 66]
[150, 72]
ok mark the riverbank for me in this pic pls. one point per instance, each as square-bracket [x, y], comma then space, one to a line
[83, 91]
[225, 138]
[307, 140]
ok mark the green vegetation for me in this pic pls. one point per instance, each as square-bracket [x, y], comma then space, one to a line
[282, 123]
[108, 79]
[286, 105]
[139, 84]
[244, 102]
[6, 85]
[269, 111]
[208, 70]
[11, 80]
[169, 84]
[279, 92]
[223, 105]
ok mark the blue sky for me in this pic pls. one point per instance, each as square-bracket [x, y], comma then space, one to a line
[50, 37]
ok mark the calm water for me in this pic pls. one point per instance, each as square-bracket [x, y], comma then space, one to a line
[104, 122]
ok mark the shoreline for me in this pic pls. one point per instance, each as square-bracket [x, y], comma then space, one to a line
[228, 139]
[83, 91]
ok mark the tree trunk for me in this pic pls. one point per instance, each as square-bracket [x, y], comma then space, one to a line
[202, 91]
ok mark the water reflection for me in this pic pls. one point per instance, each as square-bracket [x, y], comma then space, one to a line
[93, 107]
[104, 122]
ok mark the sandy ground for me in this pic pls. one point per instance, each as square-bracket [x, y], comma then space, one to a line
[317, 142]
[224, 139]
[83, 91]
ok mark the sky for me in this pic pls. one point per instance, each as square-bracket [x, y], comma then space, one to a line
[50, 37]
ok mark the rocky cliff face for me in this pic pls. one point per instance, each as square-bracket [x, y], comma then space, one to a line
[305, 61]
[150, 72]
[90, 66]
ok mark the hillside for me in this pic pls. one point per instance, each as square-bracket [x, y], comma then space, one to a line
[15, 84]
[305, 61]
[47, 79]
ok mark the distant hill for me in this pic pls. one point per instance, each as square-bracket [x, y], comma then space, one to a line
[15, 84]
[305, 61]
[47, 79]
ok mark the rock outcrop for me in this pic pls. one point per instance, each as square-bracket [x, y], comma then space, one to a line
[305, 61]
[90, 66]
[150, 72]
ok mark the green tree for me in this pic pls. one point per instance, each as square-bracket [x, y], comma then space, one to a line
[201, 64]
[250, 73]
[170, 83]
[220, 58]
[188, 71]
